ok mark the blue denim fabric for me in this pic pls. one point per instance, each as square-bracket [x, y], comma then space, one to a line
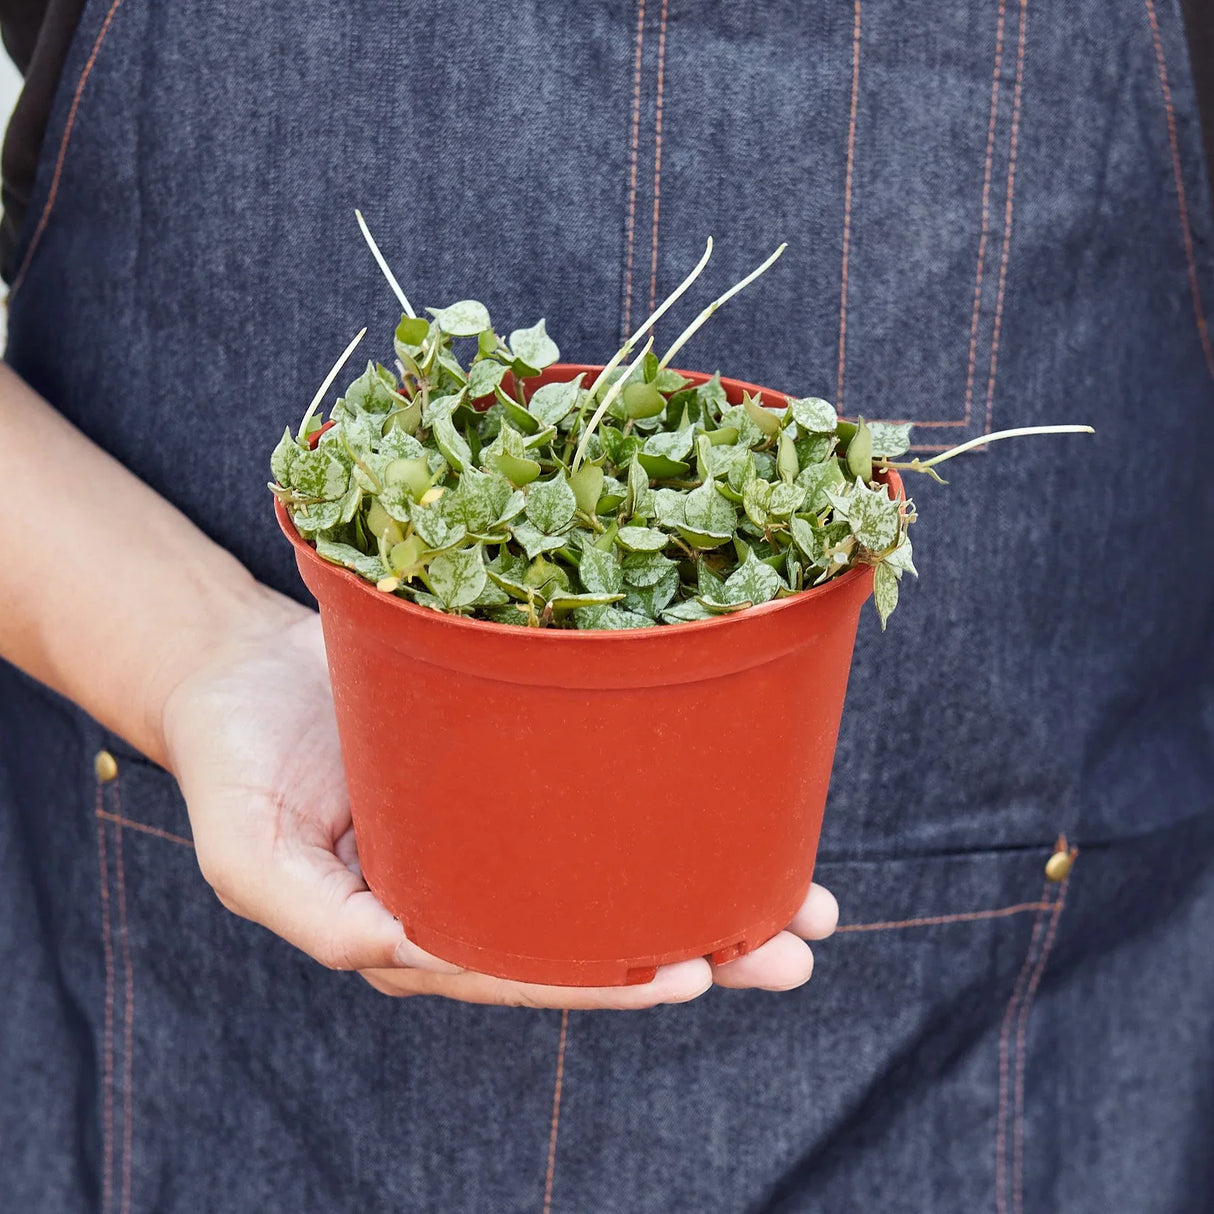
[998, 215]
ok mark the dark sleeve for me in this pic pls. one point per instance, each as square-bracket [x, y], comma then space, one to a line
[1199, 22]
[37, 34]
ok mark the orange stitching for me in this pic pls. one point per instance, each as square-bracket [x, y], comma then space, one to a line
[851, 155]
[128, 1014]
[1004, 1042]
[63, 142]
[1007, 215]
[1180, 194]
[107, 1124]
[632, 176]
[965, 917]
[556, 1110]
[1021, 1034]
[986, 208]
[147, 830]
[657, 160]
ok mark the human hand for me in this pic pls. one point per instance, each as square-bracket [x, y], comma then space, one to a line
[251, 737]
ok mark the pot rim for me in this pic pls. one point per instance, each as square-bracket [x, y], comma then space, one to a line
[307, 551]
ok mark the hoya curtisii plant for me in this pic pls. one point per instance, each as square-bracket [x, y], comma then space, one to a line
[635, 499]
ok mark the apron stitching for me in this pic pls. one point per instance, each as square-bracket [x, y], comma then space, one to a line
[657, 159]
[1004, 1047]
[147, 830]
[107, 1123]
[1021, 1036]
[128, 1012]
[847, 187]
[1178, 176]
[556, 1110]
[936, 920]
[1007, 216]
[986, 208]
[632, 172]
[63, 142]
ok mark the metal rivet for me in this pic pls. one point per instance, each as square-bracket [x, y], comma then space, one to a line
[1058, 866]
[106, 766]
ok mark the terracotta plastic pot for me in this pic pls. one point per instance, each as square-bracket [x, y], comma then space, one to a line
[576, 807]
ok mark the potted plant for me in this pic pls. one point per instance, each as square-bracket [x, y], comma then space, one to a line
[589, 631]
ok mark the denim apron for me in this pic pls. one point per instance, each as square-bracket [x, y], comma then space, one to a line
[998, 216]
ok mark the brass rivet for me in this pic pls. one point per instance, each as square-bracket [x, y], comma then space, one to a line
[1058, 866]
[106, 766]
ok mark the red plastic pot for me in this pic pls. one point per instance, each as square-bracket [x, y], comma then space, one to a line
[578, 808]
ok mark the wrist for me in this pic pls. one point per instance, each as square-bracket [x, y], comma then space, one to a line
[229, 623]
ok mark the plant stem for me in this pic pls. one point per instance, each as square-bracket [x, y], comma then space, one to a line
[383, 265]
[922, 465]
[666, 304]
[608, 401]
[320, 392]
[691, 329]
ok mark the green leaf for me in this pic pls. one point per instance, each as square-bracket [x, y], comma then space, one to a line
[369, 567]
[457, 577]
[786, 462]
[519, 472]
[284, 457]
[320, 474]
[466, 318]
[568, 602]
[784, 499]
[767, 420]
[890, 439]
[667, 381]
[885, 592]
[318, 517]
[552, 403]
[813, 415]
[873, 515]
[860, 453]
[484, 377]
[412, 330]
[659, 468]
[672, 445]
[587, 486]
[706, 512]
[432, 524]
[371, 392]
[534, 541]
[639, 502]
[686, 612]
[641, 539]
[668, 507]
[900, 560]
[609, 619]
[400, 444]
[619, 448]
[645, 569]
[533, 346]
[652, 600]
[752, 582]
[600, 572]
[642, 400]
[819, 479]
[550, 504]
[478, 500]
[756, 494]
[451, 443]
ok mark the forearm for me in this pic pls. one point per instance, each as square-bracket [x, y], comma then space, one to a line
[108, 594]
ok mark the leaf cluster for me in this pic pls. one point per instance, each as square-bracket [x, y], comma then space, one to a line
[453, 482]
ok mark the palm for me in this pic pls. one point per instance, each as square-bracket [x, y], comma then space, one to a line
[254, 745]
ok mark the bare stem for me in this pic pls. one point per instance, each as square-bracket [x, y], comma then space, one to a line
[383, 265]
[608, 400]
[320, 393]
[691, 329]
[923, 465]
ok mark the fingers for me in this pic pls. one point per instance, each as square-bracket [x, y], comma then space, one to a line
[781, 964]
[818, 916]
[316, 902]
[672, 984]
